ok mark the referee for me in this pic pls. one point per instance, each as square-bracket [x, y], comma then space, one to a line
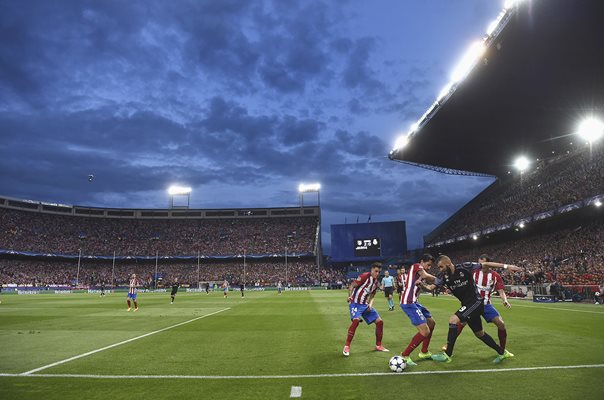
[388, 288]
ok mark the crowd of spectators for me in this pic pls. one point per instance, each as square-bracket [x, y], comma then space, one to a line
[546, 185]
[94, 273]
[49, 233]
[573, 256]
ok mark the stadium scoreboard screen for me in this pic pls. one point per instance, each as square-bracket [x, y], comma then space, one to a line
[368, 241]
[367, 247]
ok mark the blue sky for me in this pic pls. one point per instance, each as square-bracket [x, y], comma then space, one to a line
[242, 100]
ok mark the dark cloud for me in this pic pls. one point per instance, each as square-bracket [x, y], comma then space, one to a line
[219, 93]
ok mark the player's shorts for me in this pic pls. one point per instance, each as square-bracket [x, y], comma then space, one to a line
[472, 315]
[279, 289]
[132, 296]
[399, 290]
[417, 313]
[490, 313]
[358, 311]
[388, 291]
[174, 292]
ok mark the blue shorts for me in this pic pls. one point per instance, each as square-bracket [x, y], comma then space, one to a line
[132, 296]
[490, 313]
[416, 313]
[358, 311]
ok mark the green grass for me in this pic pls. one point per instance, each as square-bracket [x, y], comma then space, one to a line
[297, 333]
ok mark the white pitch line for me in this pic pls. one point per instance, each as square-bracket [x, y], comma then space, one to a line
[296, 391]
[118, 344]
[207, 377]
[558, 309]
[515, 304]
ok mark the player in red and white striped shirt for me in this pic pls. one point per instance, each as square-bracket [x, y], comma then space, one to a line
[361, 293]
[419, 315]
[132, 289]
[487, 282]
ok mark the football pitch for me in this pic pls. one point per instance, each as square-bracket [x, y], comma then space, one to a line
[266, 346]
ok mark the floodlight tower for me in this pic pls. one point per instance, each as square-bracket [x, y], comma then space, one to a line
[179, 191]
[309, 188]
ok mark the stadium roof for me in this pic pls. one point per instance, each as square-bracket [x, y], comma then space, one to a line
[541, 73]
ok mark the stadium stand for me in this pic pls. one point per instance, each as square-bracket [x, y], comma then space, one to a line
[50, 233]
[549, 185]
[40, 245]
[571, 256]
[93, 273]
[546, 215]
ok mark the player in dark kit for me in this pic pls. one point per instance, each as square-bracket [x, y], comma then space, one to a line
[400, 281]
[102, 289]
[241, 288]
[175, 287]
[460, 281]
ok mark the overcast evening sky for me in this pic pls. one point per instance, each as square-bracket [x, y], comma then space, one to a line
[242, 100]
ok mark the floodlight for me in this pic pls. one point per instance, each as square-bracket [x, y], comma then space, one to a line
[591, 129]
[309, 187]
[401, 142]
[511, 3]
[598, 203]
[522, 163]
[176, 190]
[521, 225]
[413, 127]
[468, 61]
[492, 26]
[474, 237]
[444, 92]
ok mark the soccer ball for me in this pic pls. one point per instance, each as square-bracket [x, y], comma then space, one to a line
[397, 364]
[597, 294]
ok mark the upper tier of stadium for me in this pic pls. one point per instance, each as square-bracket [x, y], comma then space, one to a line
[29, 227]
[520, 90]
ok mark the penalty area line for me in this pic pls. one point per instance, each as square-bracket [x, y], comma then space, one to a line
[33, 371]
[344, 375]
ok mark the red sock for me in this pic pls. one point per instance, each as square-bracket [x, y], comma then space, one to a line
[417, 339]
[128, 303]
[503, 336]
[426, 342]
[351, 330]
[460, 328]
[379, 332]
[135, 304]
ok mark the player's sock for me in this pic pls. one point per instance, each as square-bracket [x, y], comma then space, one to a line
[503, 336]
[351, 330]
[451, 338]
[135, 305]
[416, 341]
[172, 299]
[379, 332]
[426, 342]
[488, 340]
[128, 301]
[460, 327]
